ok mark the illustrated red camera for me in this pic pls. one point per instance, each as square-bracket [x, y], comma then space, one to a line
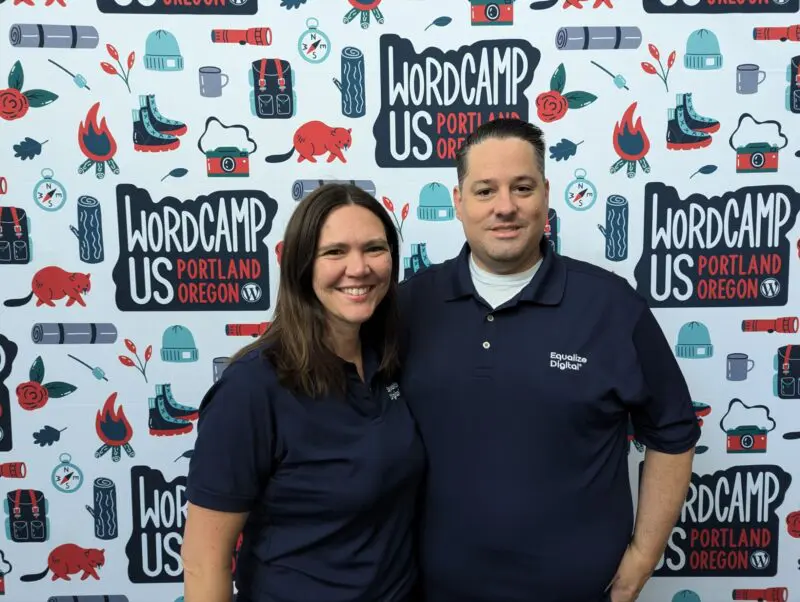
[227, 161]
[492, 12]
[747, 439]
[757, 157]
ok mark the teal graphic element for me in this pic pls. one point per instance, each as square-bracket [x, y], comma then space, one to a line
[580, 194]
[702, 51]
[66, 476]
[314, 45]
[435, 204]
[49, 193]
[694, 342]
[177, 345]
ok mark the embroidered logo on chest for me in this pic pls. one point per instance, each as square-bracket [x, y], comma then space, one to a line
[394, 391]
[563, 361]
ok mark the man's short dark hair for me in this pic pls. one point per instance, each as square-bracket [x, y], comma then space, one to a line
[501, 128]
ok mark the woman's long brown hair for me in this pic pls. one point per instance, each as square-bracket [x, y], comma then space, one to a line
[295, 341]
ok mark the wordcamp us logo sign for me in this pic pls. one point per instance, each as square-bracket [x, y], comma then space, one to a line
[179, 7]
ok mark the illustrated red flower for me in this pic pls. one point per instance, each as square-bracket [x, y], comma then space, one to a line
[793, 524]
[13, 104]
[32, 395]
[551, 106]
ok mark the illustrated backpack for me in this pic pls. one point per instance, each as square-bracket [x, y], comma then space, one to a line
[27, 516]
[15, 243]
[272, 96]
[786, 381]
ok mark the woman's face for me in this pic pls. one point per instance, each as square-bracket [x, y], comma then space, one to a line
[353, 266]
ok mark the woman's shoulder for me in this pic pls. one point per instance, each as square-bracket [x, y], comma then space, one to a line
[250, 369]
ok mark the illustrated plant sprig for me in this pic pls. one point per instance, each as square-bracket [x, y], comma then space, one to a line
[649, 68]
[403, 214]
[142, 367]
[111, 70]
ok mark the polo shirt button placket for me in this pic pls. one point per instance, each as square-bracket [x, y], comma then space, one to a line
[486, 344]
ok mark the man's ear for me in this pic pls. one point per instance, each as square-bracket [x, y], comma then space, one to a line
[457, 200]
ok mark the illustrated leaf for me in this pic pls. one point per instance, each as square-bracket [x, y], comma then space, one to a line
[564, 149]
[47, 436]
[579, 99]
[648, 68]
[126, 361]
[130, 345]
[440, 22]
[148, 353]
[178, 172]
[131, 58]
[108, 68]
[112, 52]
[37, 370]
[671, 60]
[388, 203]
[59, 389]
[186, 454]
[16, 77]
[40, 98]
[653, 51]
[404, 212]
[559, 79]
[28, 148]
[705, 170]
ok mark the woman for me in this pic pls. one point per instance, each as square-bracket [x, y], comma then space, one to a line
[305, 444]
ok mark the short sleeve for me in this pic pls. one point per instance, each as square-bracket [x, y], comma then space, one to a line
[664, 419]
[233, 451]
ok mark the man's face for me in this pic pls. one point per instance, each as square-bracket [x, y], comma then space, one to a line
[503, 204]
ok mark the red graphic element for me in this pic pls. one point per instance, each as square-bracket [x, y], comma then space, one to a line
[255, 36]
[551, 106]
[97, 143]
[111, 70]
[403, 214]
[236, 552]
[114, 431]
[700, 410]
[577, 3]
[770, 594]
[47, 2]
[789, 324]
[14, 103]
[782, 34]
[13, 470]
[317, 138]
[649, 68]
[141, 367]
[279, 251]
[246, 330]
[793, 524]
[52, 283]
[630, 143]
[68, 559]
[32, 395]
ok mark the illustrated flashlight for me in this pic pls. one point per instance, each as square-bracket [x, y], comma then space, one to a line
[246, 330]
[256, 36]
[791, 33]
[770, 594]
[789, 324]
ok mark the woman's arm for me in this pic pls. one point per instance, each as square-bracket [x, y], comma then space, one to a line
[209, 538]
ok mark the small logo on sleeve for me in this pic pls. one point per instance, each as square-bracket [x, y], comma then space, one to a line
[562, 361]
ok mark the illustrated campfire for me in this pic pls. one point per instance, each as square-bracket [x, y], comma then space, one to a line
[97, 144]
[114, 431]
[631, 143]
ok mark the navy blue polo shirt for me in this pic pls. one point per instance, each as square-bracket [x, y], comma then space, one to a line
[524, 411]
[330, 484]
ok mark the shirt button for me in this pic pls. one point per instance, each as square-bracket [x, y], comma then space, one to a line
[490, 318]
[486, 344]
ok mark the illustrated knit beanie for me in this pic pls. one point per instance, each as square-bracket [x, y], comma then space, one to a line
[694, 341]
[434, 203]
[702, 51]
[161, 52]
[177, 345]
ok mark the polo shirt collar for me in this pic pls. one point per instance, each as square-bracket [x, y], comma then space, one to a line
[546, 287]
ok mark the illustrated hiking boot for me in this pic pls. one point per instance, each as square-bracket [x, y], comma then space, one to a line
[680, 136]
[694, 120]
[175, 409]
[161, 423]
[160, 123]
[147, 139]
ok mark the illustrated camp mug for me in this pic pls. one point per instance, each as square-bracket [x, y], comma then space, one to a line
[211, 83]
[738, 365]
[748, 78]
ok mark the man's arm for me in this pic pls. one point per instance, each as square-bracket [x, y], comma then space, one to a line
[662, 491]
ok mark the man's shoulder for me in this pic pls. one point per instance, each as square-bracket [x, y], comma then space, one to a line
[431, 278]
[584, 277]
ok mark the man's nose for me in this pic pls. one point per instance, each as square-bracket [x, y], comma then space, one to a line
[504, 202]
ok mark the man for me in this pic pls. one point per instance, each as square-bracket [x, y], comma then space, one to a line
[523, 368]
